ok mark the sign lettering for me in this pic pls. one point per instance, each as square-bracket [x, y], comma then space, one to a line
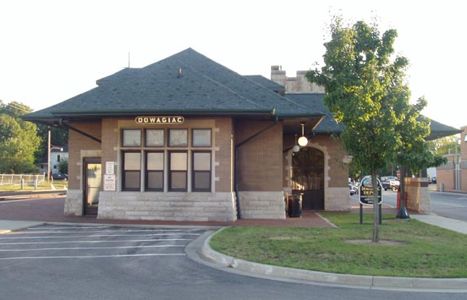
[109, 182]
[159, 120]
[366, 191]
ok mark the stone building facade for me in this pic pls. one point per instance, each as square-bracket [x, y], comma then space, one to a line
[188, 139]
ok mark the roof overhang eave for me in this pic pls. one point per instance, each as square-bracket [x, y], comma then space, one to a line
[440, 134]
[57, 117]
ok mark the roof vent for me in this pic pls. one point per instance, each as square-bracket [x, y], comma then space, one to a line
[180, 72]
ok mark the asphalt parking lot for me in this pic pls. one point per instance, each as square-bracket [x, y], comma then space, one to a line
[100, 241]
[110, 262]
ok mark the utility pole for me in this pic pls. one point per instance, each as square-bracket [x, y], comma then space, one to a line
[48, 153]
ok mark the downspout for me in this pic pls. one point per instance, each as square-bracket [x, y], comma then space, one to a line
[237, 147]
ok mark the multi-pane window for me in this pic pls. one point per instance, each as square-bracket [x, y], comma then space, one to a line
[131, 138]
[178, 137]
[154, 137]
[178, 167]
[201, 138]
[154, 179]
[131, 171]
[201, 172]
[174, 159]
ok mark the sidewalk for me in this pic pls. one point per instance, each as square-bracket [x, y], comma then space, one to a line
[50, 210]
[446, 223]
[17, 195]
[7, 226]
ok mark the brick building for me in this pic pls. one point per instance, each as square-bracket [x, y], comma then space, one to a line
[186, 138]
[452, 176]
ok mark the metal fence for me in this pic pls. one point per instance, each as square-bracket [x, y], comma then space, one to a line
[27, 179]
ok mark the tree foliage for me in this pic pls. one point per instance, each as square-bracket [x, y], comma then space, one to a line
[18, 139]
[414, 152]
[63, 166]
[445, 145]
[58, 136]
[366, 91]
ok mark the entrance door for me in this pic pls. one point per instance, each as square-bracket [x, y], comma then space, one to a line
[308, 177]
[92, 184]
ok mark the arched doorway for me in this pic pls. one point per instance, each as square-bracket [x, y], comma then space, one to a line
[308, 177]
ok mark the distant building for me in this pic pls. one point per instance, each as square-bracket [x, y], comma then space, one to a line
[452, 176]
[57, 155]
[297, 84]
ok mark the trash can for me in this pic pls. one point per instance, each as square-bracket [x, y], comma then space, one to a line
[295, 206]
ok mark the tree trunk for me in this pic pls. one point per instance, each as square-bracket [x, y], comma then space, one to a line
[374, 183]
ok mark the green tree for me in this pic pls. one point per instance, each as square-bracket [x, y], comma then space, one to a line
[63, 167]
[58, 136]
[366, 91]
[18, 139]
[414, 153]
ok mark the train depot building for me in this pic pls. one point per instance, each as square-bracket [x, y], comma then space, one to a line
[187, 139]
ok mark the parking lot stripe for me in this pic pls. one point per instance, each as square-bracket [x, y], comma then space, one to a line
[93, 256]
[83, 242]
[92, 248]
[103, 231]
[93, 236]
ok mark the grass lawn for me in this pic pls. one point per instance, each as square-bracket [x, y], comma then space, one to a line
[58, 184]
[423, 250]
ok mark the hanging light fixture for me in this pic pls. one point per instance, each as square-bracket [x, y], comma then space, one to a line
[296, 147]
[303, 141]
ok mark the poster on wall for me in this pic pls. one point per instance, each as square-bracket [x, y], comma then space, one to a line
[109, 182]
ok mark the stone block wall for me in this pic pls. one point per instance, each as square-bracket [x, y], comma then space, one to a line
[74, 203]
[262, 205]
[167, 206]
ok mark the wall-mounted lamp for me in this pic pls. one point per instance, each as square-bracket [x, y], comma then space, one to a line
[303, 141]
[296, 147]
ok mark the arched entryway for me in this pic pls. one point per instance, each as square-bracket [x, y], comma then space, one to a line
[308, 177]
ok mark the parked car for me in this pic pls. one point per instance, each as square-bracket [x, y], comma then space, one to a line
[390, 182]
[59, 176]
[353, 189]
[394, 184]
[366, 181]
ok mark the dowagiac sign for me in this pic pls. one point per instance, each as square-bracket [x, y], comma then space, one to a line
[159, 120]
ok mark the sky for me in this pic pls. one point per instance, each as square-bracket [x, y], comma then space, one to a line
[53, 50]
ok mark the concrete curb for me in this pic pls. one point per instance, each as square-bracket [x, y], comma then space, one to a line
[456, 285]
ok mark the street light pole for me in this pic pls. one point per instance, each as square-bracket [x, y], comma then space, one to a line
[48, 154]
